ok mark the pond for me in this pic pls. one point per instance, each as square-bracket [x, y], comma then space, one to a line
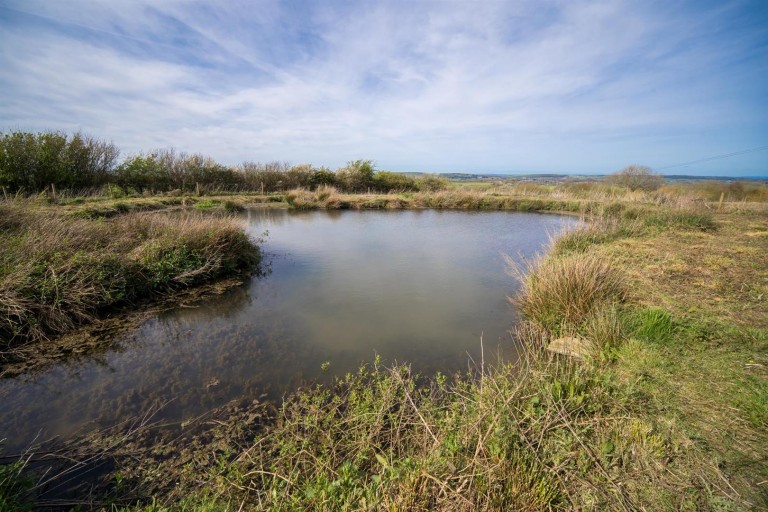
[418, 286]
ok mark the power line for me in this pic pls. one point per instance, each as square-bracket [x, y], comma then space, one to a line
[716, 157]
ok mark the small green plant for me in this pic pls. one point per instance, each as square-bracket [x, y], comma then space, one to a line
[206, 204]
[15, 487]
[652, 324]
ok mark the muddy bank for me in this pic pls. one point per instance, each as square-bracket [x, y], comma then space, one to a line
[102, 334]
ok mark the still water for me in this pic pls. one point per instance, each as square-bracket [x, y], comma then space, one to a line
[416, 286]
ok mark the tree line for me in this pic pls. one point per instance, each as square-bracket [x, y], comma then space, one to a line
[33, 162]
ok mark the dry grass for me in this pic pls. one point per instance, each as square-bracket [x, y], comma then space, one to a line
[735, 191]
[718, 274]
[664, 206]
[457, 199]
[560, 293]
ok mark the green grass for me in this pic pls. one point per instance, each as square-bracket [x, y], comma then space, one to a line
[15, 487]
[536, 435]
[695, 376]
[680, 219]
[652, 325]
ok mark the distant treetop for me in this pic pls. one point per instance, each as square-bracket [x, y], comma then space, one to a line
[636, 177]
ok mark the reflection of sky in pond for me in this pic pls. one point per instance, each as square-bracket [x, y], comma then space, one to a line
[412, 286]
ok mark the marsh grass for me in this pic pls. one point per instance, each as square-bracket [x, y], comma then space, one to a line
[616, 215]
[710, 190]
[683, 219]
[456, 199]
[559, 293]
[597, 229]
[58, 271]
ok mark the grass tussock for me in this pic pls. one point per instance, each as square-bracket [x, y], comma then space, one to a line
[324, 197]
[559, 293]
[58, 271]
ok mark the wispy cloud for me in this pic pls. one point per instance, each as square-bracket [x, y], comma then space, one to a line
[443, 85]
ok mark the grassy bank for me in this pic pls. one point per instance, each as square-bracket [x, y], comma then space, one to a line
[667, 409]
[464, 199]
[667, 412]
[60, 269]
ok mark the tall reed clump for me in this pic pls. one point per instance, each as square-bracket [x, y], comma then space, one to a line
[324, 196]
[58, 271]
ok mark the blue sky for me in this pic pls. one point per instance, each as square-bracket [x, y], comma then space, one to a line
[452, 85]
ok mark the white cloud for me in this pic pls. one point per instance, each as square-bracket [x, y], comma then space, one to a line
[435, 85]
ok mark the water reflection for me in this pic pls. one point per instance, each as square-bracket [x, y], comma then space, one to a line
[415, 286]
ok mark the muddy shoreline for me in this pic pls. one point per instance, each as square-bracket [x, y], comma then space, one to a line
[101, 334]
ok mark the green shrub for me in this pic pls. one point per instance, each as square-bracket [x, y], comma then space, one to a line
[356, 176]
[385, 181]
[322, 177]
[35, 161]
[431, 183]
